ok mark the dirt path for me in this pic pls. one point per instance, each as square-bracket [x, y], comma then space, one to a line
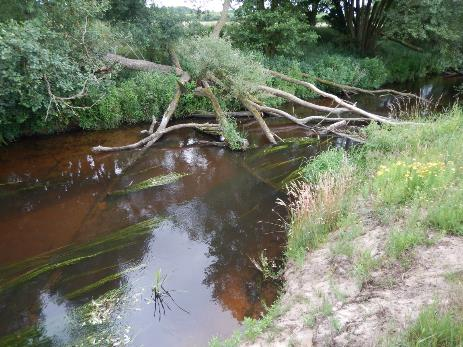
[325, 303]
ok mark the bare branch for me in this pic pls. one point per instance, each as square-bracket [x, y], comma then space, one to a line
[348, 88]
[336, 99]
[296, 100]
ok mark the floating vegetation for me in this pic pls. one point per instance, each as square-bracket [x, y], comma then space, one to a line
[151, 182]
[72, 255]
[101, 282]
[98, 322]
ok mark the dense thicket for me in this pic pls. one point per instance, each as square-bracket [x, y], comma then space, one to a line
[54, 76]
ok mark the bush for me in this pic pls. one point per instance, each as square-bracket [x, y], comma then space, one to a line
[29, 52]
[135, 100]
[272, 32]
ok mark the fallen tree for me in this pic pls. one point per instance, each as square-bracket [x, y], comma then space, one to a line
[221, 71]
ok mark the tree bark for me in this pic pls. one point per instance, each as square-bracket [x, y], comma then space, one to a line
[258, 116]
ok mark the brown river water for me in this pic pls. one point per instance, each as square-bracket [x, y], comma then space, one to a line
[58, 217]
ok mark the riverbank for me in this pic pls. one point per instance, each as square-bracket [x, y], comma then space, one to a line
[375, 247]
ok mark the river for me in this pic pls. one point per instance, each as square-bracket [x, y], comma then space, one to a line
[66, 239]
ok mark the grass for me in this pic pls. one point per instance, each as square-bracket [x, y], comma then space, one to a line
[252, 328]
[330, 161]
[349, 230]
[434, 327]
[364, 265]
[315, 211]
[409, 173]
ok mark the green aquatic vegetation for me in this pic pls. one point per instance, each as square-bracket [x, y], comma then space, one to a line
[29, 336]
[71, 255]
[50, 267]
[151, 182]
[97, 284]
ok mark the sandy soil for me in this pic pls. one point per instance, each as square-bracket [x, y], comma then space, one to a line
[325, 304]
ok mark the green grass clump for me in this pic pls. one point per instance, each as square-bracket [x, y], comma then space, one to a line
[402, 241]
[252, 328]
[330, 161]
[364, 266]
[434, 328]
[151, 182]
[315, 211]
[447, 213]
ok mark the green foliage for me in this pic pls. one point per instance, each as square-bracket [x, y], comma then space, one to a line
[401, 241]
[29, 52]
[447, 213]
[400, 182]
[354, 71]
[431, 185]
[123, 10]
[239, 72]
[271, 31]
[234, 138]
[134, 100]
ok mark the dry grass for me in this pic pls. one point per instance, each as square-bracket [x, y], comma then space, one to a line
[315, 210]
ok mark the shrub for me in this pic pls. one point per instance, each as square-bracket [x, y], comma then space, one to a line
[134, 100]
[272, 32]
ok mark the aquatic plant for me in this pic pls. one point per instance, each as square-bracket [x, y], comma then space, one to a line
[267, 267]
[161, 296]
[102, 281]
[151, 182]
[71, 255]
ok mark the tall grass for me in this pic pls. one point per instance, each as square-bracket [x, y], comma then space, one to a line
[315, 209]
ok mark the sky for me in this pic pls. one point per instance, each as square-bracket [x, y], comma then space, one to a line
[211, 5]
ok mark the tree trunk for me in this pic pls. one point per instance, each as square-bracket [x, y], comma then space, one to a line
[222, 21]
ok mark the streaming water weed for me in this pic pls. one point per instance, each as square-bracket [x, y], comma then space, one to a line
[151, 182]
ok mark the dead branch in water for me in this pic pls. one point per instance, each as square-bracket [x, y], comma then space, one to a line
[346, 88]
[333, 97]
